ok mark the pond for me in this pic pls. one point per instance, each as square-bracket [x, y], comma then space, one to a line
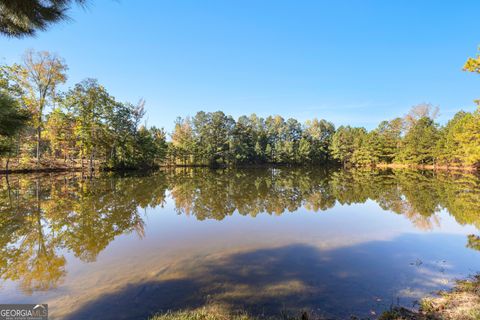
[270, 241]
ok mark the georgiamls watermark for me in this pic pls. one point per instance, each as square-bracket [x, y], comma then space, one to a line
[23, 312]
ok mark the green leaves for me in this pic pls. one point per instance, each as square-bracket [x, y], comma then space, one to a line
[473, 65]
[26, 17]
[418, 146]
[12, 118]
[345, 142]
[12, 121]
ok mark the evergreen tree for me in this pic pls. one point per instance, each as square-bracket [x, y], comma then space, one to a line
[419, 143]
[25, 17]
[12, 120]
[345, 142]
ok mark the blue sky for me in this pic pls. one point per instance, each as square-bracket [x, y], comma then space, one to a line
[350, 62]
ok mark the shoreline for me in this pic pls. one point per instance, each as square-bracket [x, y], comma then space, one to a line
[59, 165]
[85, 169]
[462, 301]
[427, 167]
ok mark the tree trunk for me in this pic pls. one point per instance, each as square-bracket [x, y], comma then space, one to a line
[81, 159]
[92, 157]
[91, 163]
[8, 188]
[39, 135]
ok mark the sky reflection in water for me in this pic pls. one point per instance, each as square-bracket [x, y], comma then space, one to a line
[266, 240]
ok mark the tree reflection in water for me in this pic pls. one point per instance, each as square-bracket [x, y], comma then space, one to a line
[43, 217]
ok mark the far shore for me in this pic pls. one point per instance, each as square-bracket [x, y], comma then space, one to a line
[60, 165]
[47, 165]
[427, 167]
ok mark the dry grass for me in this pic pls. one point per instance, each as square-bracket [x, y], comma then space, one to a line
[206, 313]
[460, 303]
[427, 167]
[45, 164]
[219, 312]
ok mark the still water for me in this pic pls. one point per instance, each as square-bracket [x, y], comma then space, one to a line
[334, 242]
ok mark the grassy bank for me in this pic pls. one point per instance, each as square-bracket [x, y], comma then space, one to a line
[427, 167]
[205, 313]
[48, 165]
[460, 303]
[44, 165]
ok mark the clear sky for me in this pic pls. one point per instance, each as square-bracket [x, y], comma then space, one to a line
[350, 62]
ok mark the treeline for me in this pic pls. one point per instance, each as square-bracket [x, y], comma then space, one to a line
[42, 126]
[214, 139]
[415, 140]
[217, 139]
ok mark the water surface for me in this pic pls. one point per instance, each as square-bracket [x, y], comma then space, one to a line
[333, 242]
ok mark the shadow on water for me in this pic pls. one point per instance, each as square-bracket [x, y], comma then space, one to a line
[45, 217]
[337, 283]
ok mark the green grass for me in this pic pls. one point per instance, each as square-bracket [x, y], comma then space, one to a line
[205, 313]
[218, 312]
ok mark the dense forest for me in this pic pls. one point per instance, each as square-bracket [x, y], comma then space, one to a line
[85, 127]
[415, 139]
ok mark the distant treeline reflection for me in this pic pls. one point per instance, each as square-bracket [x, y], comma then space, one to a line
[45, 216]
[209, 194]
